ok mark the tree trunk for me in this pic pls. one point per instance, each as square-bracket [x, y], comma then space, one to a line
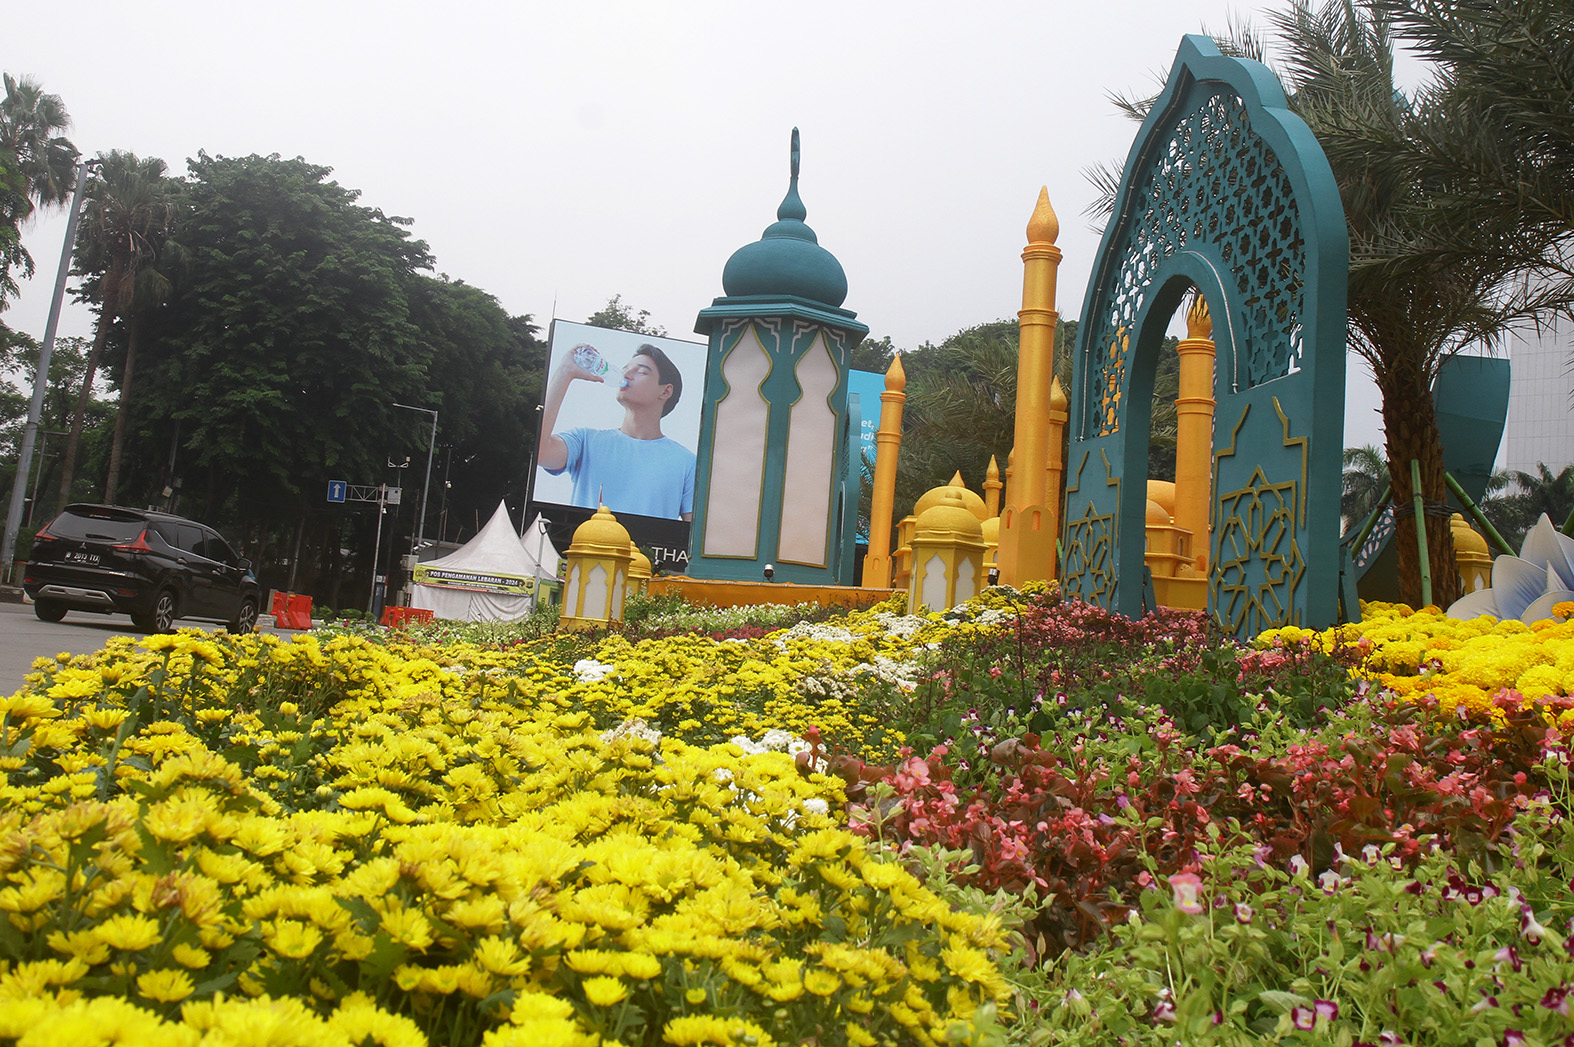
[107, 311]
[117, 443]
[1410, 420]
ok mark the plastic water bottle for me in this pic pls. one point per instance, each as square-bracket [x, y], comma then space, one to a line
[587, 357]
[591, 360]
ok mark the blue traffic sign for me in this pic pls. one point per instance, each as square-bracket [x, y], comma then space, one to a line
[337, 490]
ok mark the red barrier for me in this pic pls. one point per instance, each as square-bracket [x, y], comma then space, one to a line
[292, 611]
[398, 617]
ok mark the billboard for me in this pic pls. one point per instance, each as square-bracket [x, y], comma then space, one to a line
[620, 425]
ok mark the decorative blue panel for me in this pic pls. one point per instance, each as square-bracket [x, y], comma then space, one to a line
[1225, 191]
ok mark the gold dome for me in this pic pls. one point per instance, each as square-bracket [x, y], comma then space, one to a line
[1157, 517]
[639, 563]
[948, 518]
[1466, 540]
[1163, 492]
[970, 501]
[601, 535]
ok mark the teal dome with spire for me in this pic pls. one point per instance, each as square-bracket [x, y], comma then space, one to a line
[787, 259]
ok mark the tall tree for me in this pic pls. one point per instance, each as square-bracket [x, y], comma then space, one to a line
[37, 165]
[273, 366]
[131, 210]
[18, 370]
[1516, 511]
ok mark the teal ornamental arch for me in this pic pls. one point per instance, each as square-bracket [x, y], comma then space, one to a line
[1227, 191]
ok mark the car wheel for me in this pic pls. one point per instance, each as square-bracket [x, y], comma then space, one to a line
[48, 610]
[245, 619]
[161, 619]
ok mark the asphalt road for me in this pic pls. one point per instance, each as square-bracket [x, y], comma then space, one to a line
[24, 638]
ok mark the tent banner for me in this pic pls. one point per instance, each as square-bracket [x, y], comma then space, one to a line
[447, 578]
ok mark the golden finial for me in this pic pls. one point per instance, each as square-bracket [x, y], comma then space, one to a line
[1199, 324]
[1057, 395]
[1043, 227]
[895, 376]
[993, 472]
[957, 481]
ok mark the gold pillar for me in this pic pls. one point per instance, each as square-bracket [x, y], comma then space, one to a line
[992, 488]
[1055, 473]
[1028, 525]
[887, 443]
[1194, 430]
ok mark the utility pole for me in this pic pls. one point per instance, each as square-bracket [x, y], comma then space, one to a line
[35, 411]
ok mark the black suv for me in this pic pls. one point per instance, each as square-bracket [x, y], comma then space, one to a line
[152, 566]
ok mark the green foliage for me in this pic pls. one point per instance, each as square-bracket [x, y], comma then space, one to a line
[37, 166]
[1515, 513]
[621, 317]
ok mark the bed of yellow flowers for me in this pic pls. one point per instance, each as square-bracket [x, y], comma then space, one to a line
[348, 840]
[1466, 665]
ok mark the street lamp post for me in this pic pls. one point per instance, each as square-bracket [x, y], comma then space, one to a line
[35, 411]
[420, 527]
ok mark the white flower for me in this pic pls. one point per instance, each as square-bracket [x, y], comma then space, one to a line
[633, 728]
[815, 805]
[588, 670]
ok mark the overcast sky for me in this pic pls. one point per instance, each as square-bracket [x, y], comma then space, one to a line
[558, 154]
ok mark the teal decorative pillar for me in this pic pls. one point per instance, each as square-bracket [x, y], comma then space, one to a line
[769, 486]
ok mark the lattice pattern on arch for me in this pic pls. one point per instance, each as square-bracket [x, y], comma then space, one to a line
[1216, 181]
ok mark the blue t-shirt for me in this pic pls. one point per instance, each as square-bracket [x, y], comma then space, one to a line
[645, 477]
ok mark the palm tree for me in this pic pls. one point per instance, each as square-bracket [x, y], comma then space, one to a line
[1365, 484]
[37, 166]
[30, 125]
[1506, 70]
[130, 213]
[1514, 513]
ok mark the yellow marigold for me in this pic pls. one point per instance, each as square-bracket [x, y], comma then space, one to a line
[603, 991]
[165, 986]
[692, 1030]
[360, 1020]
[128, 932]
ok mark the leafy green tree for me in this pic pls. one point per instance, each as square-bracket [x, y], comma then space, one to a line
[274, 365]
[67, 367]
[620, 317]
[37, 166]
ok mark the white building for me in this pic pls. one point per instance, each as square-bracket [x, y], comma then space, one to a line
[1540, 425]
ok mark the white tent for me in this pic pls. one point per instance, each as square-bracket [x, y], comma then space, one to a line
[492, 577]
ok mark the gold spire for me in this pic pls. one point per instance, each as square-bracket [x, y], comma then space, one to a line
[1044, 226]
[993, 472]
[895, 376]
[957, 481]
[1057, 396]
[1199, 323]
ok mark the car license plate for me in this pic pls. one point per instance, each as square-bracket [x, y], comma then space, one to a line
[82, 558]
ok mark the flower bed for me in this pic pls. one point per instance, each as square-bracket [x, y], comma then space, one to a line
[1025, 821]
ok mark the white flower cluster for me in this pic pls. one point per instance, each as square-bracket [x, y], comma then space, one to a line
[774, 740]
[814, 631]
[901, 626]
[902, 674]
[588, 670]
[633, 728]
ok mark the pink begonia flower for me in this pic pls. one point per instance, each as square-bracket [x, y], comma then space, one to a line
[1327, 1010]
[1302, 1018]
[1187, 888]
[1243, 912]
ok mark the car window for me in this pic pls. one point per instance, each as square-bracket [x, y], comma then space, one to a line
[106, 526]
[166, 530]
[216, 548]
[189, 538]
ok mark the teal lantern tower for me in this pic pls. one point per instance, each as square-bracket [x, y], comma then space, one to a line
[773, 484]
